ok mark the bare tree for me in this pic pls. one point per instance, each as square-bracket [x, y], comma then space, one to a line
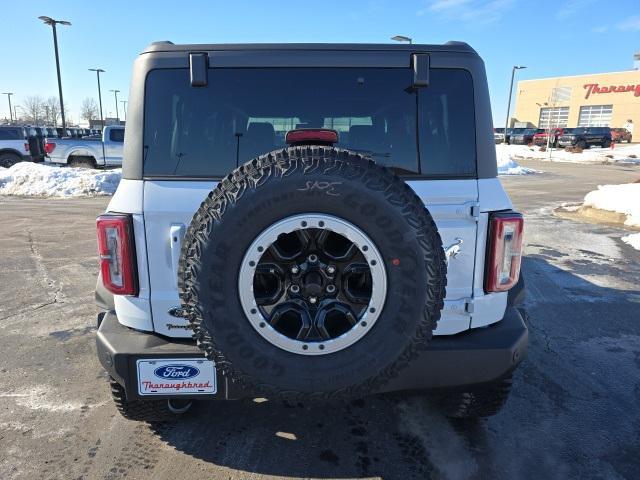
[33, 109]
[89, 110]
[53, 110]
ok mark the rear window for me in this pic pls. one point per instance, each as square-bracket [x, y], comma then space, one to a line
[11, 134]
[116, 135]
[242, 113]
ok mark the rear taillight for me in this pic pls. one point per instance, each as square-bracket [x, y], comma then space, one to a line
[49, 147]
[26, 147]
[117, 254]
[504, 251]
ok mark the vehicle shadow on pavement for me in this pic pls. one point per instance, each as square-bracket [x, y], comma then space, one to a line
[573, 412]
[361, 439]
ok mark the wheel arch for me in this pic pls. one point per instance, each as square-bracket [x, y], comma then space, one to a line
[12, 151]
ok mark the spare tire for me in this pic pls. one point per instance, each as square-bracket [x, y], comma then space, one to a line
[312, 271]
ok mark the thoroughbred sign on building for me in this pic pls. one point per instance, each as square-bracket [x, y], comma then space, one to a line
[596, 100]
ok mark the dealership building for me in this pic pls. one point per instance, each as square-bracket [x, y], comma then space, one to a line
[595, 100]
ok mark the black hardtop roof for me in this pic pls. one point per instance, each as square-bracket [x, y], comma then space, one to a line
[452, 46]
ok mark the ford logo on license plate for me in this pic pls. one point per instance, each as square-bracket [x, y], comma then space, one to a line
[176, 372]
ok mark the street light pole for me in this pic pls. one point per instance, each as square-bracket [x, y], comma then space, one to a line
[124, 108]
[8, 94]
[52, 22]
[506, 123]
[98, 71]
[115, 92]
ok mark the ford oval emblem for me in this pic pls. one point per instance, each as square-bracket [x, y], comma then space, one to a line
[176, 372]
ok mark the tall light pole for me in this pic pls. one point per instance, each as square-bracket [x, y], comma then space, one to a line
[115, 92]
[53, 23]
[98, 71]
[8, 94]
[506, 123]
[124, 108]
[402, 38]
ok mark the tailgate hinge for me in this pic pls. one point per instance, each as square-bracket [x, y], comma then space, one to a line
[475, 211]
[468, 305]
[463, 306]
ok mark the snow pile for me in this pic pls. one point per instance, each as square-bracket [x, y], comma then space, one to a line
[32, 179]
[507, 165]
[623, 199]
[628, 154]
[633, 240]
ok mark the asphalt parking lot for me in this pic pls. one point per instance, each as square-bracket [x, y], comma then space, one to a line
[574, 412]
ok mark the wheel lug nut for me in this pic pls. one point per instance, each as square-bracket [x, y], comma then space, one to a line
[313, 299]
[331, 288]
[295, 269]
[295, 289]
[313, 258]
[331, 269]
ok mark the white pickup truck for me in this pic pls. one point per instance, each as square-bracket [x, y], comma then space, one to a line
[87, 152]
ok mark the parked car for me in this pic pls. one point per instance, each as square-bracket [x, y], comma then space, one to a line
[37, 147]
[88, 152]
[498, 135]
[524, 136]
[620, 135]
[585, 137]
[316, 268]
[51, 132]
[540, 138]
[14, 145]
[36, 143]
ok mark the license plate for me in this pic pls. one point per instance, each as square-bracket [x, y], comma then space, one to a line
[176, 376]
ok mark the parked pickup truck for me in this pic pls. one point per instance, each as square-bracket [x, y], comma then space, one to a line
[585, 137]
[619, 135]
[14, 145]
[88, 152]
[540, 138]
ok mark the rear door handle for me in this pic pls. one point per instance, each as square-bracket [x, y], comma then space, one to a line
[176, 235]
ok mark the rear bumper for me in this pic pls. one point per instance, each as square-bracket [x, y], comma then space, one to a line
[475, 357]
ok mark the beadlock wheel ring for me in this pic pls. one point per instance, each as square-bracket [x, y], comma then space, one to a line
[298, 223]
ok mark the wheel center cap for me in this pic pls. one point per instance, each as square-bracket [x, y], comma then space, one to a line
[313, 284]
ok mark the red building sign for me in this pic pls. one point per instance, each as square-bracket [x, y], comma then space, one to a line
[594, 88]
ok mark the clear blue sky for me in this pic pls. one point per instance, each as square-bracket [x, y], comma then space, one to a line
[563, 37]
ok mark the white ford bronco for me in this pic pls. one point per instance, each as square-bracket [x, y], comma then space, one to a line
[309, 221]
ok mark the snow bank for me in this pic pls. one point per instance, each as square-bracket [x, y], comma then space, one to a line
[623, 198]
[507, 165]
[32, 179]
[633, 240]
[629, 154]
